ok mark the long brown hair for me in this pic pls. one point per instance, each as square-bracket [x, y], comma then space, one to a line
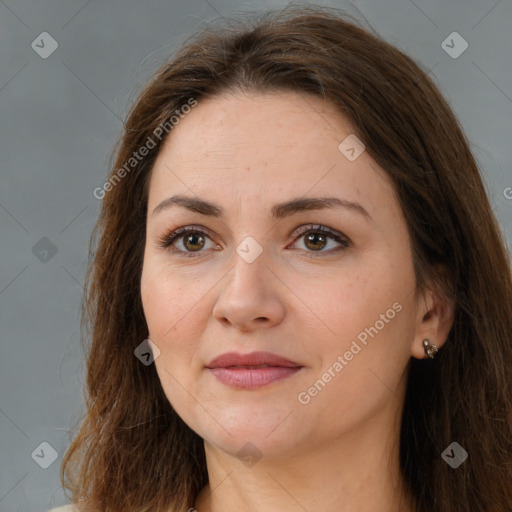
[132, 451]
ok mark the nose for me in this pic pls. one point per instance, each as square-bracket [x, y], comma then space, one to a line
[250, 296]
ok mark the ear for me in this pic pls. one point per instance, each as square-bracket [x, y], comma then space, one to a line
[435, 317]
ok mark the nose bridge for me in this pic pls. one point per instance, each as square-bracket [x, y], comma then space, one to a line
[250, 261]
[250, 230]
[247, 293]
[252, 236]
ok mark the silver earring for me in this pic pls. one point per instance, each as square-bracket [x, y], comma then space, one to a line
[430, 349]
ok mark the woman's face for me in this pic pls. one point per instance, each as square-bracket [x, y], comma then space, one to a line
[340, 305]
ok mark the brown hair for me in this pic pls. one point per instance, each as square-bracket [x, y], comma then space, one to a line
[132, 451]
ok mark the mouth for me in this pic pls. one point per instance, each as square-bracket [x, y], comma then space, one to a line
[251, 367]
[251, 377]
[252, 371]
[252, 360]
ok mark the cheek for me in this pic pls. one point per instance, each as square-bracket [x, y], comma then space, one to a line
[374, 354]
[155, 295]
[171, 319]
[166, 298]
[175, 312]
[355, 301]
[372, 315]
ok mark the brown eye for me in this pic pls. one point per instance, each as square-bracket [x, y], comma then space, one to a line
[194, 241]
[317, 237]
[316, 241]
[186, 241]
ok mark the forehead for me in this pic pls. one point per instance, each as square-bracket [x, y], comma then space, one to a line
[283, 143]
[273, 122]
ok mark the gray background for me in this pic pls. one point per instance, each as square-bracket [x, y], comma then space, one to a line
[60, 118]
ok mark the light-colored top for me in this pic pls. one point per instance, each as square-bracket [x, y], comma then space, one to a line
[64, 508]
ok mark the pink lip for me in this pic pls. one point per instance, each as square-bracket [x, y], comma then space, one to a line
[241, 370]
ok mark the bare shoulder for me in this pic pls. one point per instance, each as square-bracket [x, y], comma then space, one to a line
[65, 508]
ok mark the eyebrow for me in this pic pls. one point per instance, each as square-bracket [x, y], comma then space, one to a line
[279, 211]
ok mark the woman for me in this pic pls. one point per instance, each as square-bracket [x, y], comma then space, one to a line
[300, 298]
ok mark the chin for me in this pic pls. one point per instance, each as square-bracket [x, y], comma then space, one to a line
[252, 435]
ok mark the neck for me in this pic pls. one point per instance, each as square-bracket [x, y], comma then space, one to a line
[358, 471]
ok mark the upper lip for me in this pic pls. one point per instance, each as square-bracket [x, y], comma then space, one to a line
[253, 359]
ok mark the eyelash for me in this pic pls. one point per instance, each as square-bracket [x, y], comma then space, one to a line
[167, 240]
